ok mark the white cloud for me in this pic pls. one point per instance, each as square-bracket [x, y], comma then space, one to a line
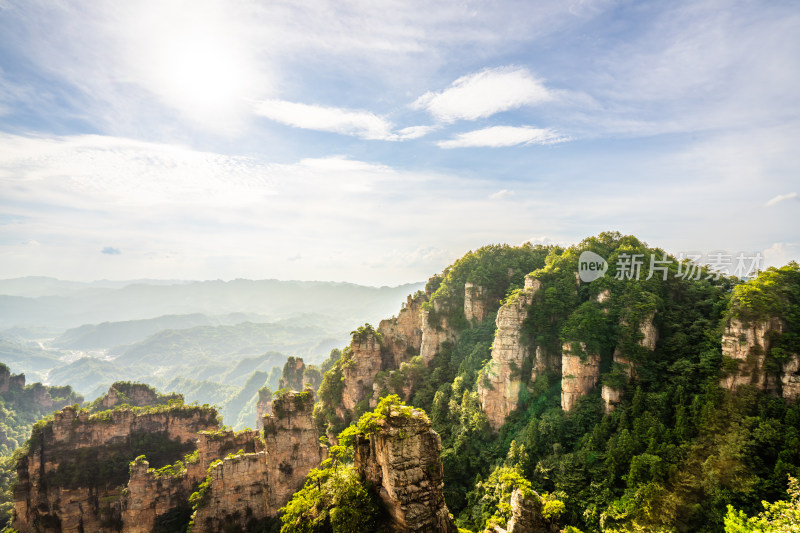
[780, 198]
[415, 132]
[485, 93]
[498, 136]
[501, 194]
[781, 253]
[362, 124]
[183, 213]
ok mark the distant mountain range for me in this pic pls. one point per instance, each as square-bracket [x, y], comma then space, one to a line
[36, 302]
[216, 341]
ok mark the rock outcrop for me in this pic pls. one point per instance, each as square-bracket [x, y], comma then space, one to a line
[150, 496]
[76, 477]
[476, 303]
[363, 364]
[263, 406]
[648, 337]
[579, 375]
[435, 332]
[248, 487]
[292, 376]
[501, 379]
[9, 381]
[135, 395]
[746, 346]
[790, 378]
[237, 494]
[526, 514]
[402, 335]
[291, 443]
[402, 461]
[72, 478]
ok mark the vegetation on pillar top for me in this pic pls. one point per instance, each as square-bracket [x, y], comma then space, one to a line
[365, 333]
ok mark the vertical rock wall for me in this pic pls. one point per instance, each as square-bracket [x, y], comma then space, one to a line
[49, 498]
[579, 375]
[648, 339]
[434, 335]
[402, 461]
[402, 335]
[476, 303]
[500, 381]
[359, 372]
[747, 345]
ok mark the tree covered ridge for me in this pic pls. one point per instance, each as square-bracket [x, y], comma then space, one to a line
[675, 452]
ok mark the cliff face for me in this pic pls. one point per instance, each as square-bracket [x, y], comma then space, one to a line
[73, 476]
[249, 487]
[292, 445]
[135, 395]
[648, 336]
[578, 375]
[434, 335]
[747, 345]
[500, 383]
[401, 460]
[402, 335]
[263, 406]
[790, 379]
[526, 514]
[476, 303]
[76, 476]
[237, 494]
[150, 496]
[359, 372]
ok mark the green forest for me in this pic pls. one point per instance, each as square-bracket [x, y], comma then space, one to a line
[679, 450]
[678, 453]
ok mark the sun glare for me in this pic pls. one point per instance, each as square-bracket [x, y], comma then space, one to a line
[204, 74]
[199, 65]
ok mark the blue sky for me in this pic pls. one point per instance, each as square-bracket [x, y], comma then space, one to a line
[376, 142]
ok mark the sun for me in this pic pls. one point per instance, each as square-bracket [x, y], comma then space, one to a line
[204, 73]
[198, 63]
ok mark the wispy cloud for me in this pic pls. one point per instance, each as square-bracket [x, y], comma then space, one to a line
[110, 250]
[781, 198]
[485, 93]
[499, 136]
[358, 123]
[501, 194]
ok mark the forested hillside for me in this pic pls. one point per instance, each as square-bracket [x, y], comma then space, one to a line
[661, 396]
[641, 403]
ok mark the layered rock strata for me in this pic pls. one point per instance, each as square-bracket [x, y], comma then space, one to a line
[501, 379]
[71, 479]
[363, 364]
[402, 335]
[476, 303]
[747, 345]
[249, 487]
[579, 374]
[76, 477]
[402, 462]
[435, 334]
[526, 514]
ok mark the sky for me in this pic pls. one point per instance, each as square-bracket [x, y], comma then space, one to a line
[376, 142]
